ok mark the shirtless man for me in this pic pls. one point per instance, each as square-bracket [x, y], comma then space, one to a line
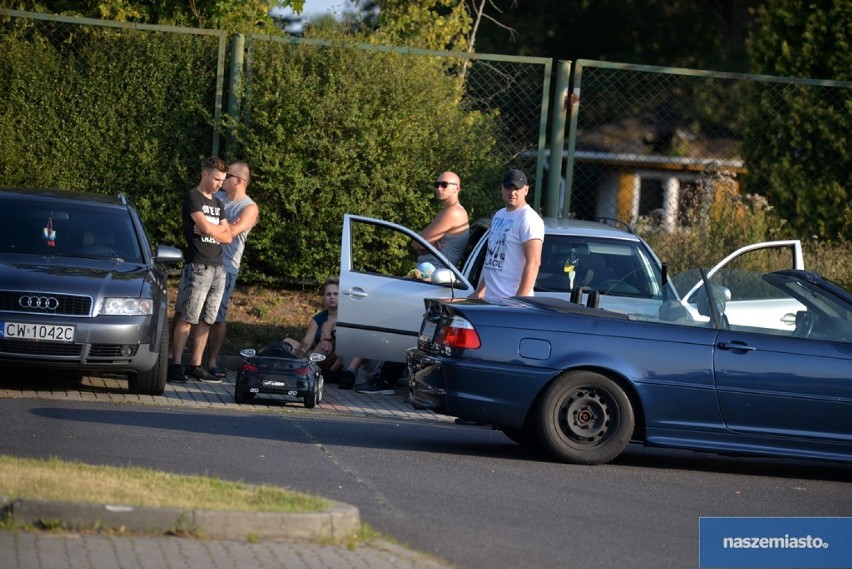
[449, 230]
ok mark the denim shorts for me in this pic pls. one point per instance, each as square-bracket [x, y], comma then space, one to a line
[230, 283]
[200, 292]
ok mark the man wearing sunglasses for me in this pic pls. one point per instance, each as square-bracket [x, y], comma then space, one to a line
[449, 230]
[241, 212]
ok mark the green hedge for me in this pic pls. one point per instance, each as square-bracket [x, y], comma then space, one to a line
[105, 111]
[326, 131]
[332, 130]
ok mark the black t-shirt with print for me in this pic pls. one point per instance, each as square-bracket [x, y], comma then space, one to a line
[202, 249]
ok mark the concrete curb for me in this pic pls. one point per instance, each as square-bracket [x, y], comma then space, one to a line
[335, 524]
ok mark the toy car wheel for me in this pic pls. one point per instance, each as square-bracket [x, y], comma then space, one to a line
[315, 396]
[311, 399]
[242, 394]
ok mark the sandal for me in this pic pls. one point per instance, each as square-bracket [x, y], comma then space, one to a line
[216, 372]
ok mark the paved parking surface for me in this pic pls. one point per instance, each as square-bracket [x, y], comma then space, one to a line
[40, 550]
[221, 395]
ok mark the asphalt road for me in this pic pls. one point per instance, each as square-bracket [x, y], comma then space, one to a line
[465, 494]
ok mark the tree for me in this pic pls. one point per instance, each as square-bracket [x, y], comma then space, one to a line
[797, 140]
[707, 35]
[425, 24]
[336, 129]
[238, 15]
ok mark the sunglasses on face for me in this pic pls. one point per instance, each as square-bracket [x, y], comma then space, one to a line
[443, 184]
[229, 175]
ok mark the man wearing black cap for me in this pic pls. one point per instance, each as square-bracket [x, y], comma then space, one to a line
[514, 244]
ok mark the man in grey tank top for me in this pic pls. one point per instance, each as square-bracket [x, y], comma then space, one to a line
[241, 213]
[449, 230]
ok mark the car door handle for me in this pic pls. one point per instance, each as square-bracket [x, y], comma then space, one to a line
[356, 293]
[736, 347]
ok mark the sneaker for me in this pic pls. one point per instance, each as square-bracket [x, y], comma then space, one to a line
[375, 388]
[347, 379]
[201, 374]
[175, 374]
[218, 372]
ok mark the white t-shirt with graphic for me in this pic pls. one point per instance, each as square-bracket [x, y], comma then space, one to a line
[504, 261]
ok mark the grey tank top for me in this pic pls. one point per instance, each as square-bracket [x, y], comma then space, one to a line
[451, 246]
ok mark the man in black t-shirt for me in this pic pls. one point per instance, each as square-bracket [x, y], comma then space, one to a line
[202, 280]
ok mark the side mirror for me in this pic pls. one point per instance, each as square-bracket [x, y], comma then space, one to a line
[443, 276]
[166, 254]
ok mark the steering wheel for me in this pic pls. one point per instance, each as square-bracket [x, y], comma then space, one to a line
[804, 324]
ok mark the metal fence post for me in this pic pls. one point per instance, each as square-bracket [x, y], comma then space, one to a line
[572, 140]
[220, 82]
[235, 85]
[557, 137]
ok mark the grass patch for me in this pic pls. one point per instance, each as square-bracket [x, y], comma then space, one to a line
[54, 479]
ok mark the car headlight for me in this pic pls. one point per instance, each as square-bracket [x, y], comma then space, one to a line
[127, 306]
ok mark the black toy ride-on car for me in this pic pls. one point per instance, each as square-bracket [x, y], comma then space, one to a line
[280, 369]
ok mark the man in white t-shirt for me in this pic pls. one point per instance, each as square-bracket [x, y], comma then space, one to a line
[514, 244]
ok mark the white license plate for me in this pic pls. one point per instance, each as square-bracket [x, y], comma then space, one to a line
[427, 330]
[43, 332]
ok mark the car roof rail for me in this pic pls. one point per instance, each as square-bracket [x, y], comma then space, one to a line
[615, 223]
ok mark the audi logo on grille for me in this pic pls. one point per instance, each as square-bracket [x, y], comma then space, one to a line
[39, 302]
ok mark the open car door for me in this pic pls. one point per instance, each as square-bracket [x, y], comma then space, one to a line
[752, 306]
[381, 307]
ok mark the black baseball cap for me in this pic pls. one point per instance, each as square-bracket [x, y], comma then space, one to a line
[514, 178]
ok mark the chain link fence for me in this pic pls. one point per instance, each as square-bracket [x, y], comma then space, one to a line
[512, 93]
[81, 89]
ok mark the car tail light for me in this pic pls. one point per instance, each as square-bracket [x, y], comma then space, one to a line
[459, 333]
[247, 367]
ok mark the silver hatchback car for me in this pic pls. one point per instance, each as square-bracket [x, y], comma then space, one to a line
[81, 289]
[601, 264]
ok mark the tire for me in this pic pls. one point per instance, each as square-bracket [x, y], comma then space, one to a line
[310, 400]
[314, 398]
[584, 418]
[525, 436]
[153, 381]
[242, 394]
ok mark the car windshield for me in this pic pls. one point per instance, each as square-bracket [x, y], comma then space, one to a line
[612, 267]
[68, 230]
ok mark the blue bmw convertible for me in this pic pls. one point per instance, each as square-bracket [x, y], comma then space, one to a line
[734, 362]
